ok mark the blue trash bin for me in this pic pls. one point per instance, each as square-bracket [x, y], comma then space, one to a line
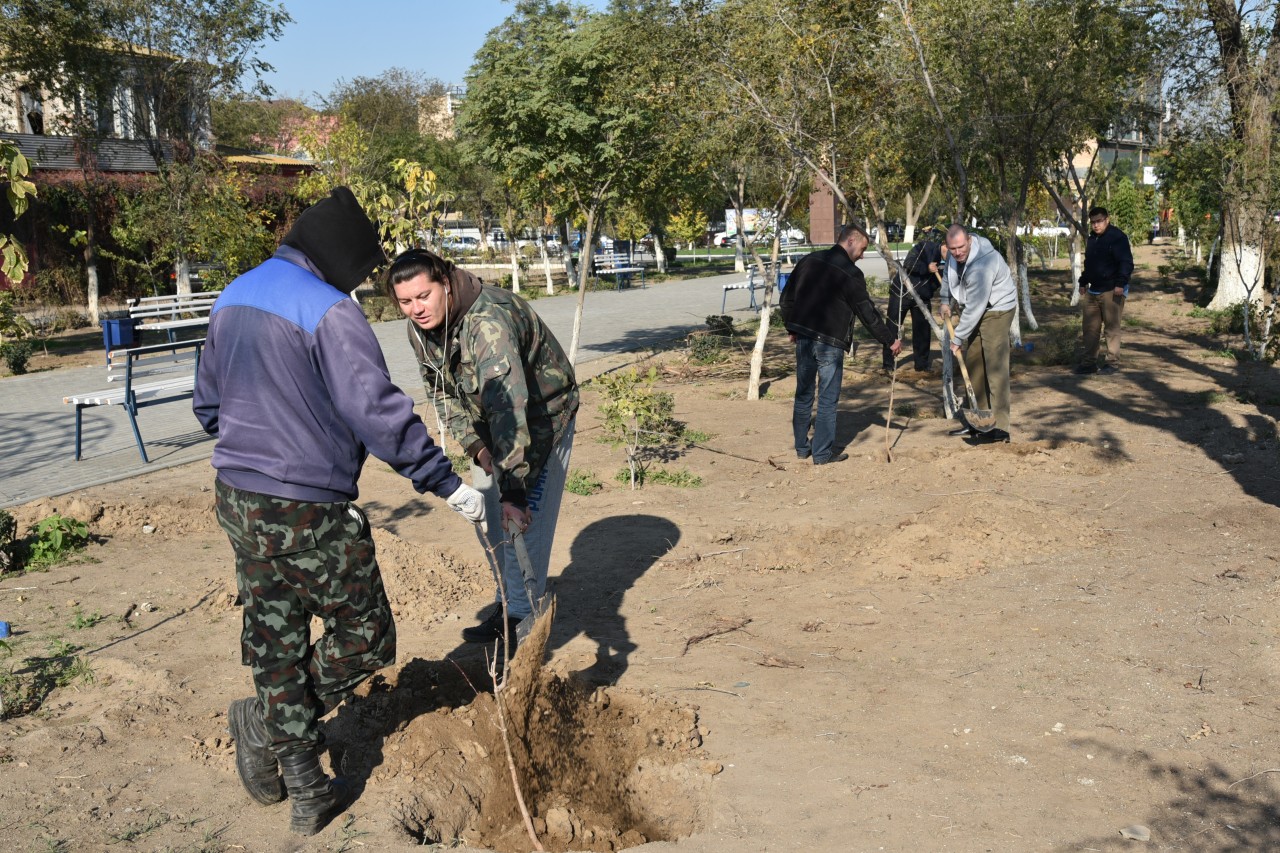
[782, 280]
[118, 333]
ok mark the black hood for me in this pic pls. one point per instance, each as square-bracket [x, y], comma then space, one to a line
[337, 236]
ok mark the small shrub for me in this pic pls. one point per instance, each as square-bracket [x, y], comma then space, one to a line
[79, 621]
[68, 319]
[8, 543]
[681, 478]
[776, 321]
[695, 436]
[55, 539]
[906, 410]
[720, 324]
[707, 349]
[585, 483]
[25, 686]
[16, 354]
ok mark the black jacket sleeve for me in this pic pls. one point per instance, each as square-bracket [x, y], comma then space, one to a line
[859, 300]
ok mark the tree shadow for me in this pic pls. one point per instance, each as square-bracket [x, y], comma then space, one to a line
[1211, 810]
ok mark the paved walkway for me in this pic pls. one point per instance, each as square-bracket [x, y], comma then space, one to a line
[37, 431]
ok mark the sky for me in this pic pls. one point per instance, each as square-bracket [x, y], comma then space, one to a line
[331, 40]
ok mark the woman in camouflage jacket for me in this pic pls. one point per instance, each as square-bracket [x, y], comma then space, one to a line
[504, 389]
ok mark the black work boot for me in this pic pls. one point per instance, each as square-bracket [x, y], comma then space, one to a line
[255, 762]
[316, 798]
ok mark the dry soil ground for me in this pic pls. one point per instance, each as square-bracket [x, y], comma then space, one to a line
[1028, 647]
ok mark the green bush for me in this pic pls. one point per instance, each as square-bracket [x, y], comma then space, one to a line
[68, 319]
[720, 324]
[707, 349]
[55, 539]
[16, 354]
[8, 543]
[583, 483]
[631, 404]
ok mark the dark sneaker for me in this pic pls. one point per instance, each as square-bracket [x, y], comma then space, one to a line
[490, 629]
[1108, 369]
[1084, 369]
[964, 431]
[995, 436]
[839, 457]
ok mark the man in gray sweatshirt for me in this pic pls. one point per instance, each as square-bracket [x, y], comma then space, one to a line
[978, 281]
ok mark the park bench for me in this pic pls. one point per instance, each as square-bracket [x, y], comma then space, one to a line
[170, 313]
[144, 376]
[752, 284]
[618, 265]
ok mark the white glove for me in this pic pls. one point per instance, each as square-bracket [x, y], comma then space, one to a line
[468, 503]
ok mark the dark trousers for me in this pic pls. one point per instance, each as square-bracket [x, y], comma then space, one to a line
[902, 306]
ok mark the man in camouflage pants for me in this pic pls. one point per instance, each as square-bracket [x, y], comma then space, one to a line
[293, 383]
[505, 390]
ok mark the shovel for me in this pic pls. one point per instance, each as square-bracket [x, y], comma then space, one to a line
[981, 420]
[541, 606]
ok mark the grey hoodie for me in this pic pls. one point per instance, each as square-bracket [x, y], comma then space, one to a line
[985, 285]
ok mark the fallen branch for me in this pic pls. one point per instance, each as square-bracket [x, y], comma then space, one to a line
[1254, 776]
[726, 626]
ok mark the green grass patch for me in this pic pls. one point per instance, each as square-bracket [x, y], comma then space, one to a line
[906, 410]
[1058, 343]
[680, 478]
[26, 681]
[79, 621]
[696, 436]
[584, 483]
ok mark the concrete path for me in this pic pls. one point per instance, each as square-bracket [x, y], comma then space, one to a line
[37, 431]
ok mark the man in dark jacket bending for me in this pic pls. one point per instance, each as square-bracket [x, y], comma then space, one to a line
[294, 385]
[920, 267]
[824, 293]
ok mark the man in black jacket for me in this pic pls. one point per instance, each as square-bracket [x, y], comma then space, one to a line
[824, 293]
[920, 267]
[1108, 264]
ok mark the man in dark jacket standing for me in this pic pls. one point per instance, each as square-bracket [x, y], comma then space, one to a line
[920, 268]
[294, 385]
[1108, 264]
[824, 293]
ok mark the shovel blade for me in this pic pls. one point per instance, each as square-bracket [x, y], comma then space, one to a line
[542, 607]
[983, 420]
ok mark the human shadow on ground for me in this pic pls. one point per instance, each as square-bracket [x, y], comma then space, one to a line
[1166, 398]
[1211, 809]
[605, 560]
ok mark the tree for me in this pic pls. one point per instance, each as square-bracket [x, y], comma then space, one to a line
[181, 55]
[553, 97]
[18, 191]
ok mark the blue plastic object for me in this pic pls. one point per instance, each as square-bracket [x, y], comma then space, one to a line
[118, 333]
[782, 280]
[4, 630]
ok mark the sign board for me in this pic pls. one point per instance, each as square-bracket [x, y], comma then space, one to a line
[1149, 176]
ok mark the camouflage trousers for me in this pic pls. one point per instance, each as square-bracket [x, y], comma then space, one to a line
[296, 560]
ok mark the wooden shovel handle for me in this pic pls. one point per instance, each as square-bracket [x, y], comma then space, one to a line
[964, 371]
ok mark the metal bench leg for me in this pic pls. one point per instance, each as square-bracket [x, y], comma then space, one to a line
[723, 300]
[753, 299]
[137, 436]
[79, 410]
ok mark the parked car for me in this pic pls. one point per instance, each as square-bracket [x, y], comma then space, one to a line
[460, 243]
[893, 230]
[1050, 229]
[726, 239]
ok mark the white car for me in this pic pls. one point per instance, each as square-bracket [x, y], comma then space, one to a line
[461, 244]
[1050, 229]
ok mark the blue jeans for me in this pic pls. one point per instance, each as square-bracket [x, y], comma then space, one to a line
[825, 364]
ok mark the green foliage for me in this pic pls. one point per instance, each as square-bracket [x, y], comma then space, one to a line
[707, 349]
[12, 324]
[583, 483]
[79, 621]
[660, 475]
[15, 355]
[720, 324]
[381, 309]
[1227, 321]
[634, 411]
[638, 416]
[1130, 211]
[55, 538]
[8, 543]
[19, 191]
[695, 436]
[26, 683]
